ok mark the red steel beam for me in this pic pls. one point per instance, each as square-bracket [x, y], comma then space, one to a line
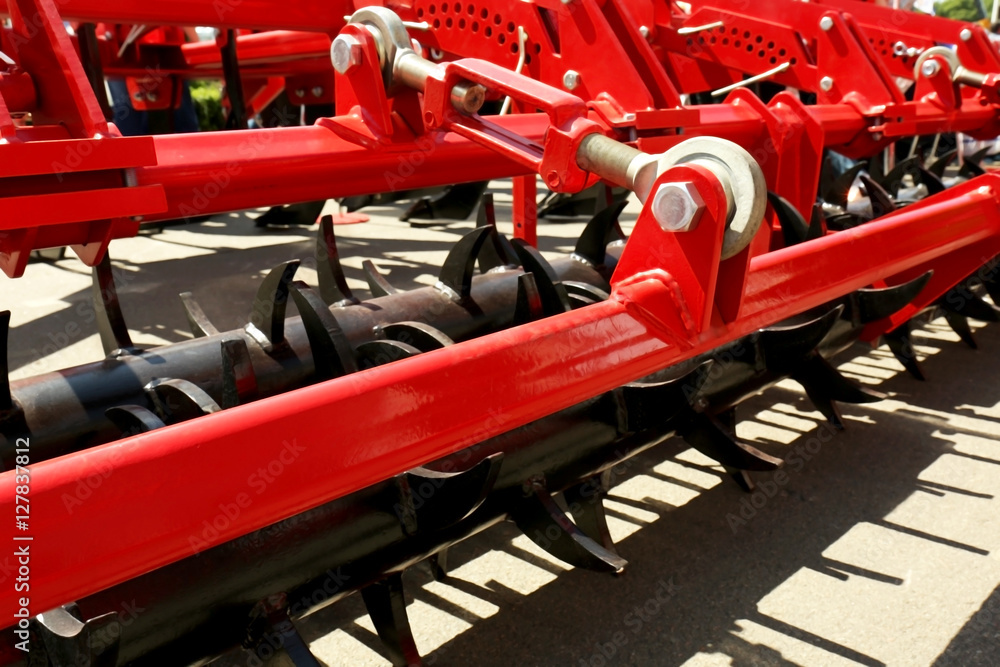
[159, 488]
[306, 15]
[227, 171]
[215, 172]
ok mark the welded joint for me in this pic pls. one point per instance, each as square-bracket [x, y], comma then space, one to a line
[656, 298]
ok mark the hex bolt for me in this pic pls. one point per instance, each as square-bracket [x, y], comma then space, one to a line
[317, 91]
[300, 92]
[930, 68]
[826, 83]
[678, 206]
[345, 52]
[571, 79]
[152, 96]
[965, 35]
[825, 23]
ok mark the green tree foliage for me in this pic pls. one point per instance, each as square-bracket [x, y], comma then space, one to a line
[962, 10]
[207, 98]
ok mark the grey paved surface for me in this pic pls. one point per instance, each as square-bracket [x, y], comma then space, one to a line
[878, 546]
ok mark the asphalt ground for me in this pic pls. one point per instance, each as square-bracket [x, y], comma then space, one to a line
[879, 545]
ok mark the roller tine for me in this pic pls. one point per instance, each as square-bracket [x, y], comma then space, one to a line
[931, 181]
[494, 254]
[380, 352]
[387, 609]
[826, 407]
[840, 188]
[875, 304]
[941, 164]
[267, 319]
[455, 203]
[270, 620]
[332, 280]
[554, 296]
[586, 505]
[178, 400]
[422, 336]
[6, 398]
[377, 282]
[742, 478]
[331, 351]
[239, 381]
[584, 294]
[460, 264]
[785, 346]
[989, 276]
[728, 419]
[894, 179]
[133, 419]
[428, 500]
[881, 202]
[817, 375]
[900, 342]
[600, 230]
[960, 325]
[544, 523]
[817, 223]
[962, 301]
[971, 170]
[971, 166]
[794, 227]
[708, 436]
[486, 215]
[199, 323]
[69, 641]
[643, 406]
[114, 333]
[529, 302]
[439, 565]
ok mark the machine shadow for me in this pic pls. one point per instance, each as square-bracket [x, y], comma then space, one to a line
[693, 573]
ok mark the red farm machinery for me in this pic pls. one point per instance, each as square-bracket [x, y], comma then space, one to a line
[511, 388]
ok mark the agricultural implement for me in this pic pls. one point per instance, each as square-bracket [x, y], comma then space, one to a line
[511, 388]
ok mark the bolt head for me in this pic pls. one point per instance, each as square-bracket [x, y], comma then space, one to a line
[571, 79]
[345, 52]
[826, 83]
[678, 206]
[300, 92]
[644, 31]
[152, 96]
[317, 91]
[930, 68]
[965, 35]
[825, 23]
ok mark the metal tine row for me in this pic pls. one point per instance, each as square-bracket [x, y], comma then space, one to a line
[578, 536]
[885, 191]
[458, 494]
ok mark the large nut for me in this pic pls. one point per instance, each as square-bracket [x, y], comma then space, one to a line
[930, 68]
[345, 52]
[678, 206]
